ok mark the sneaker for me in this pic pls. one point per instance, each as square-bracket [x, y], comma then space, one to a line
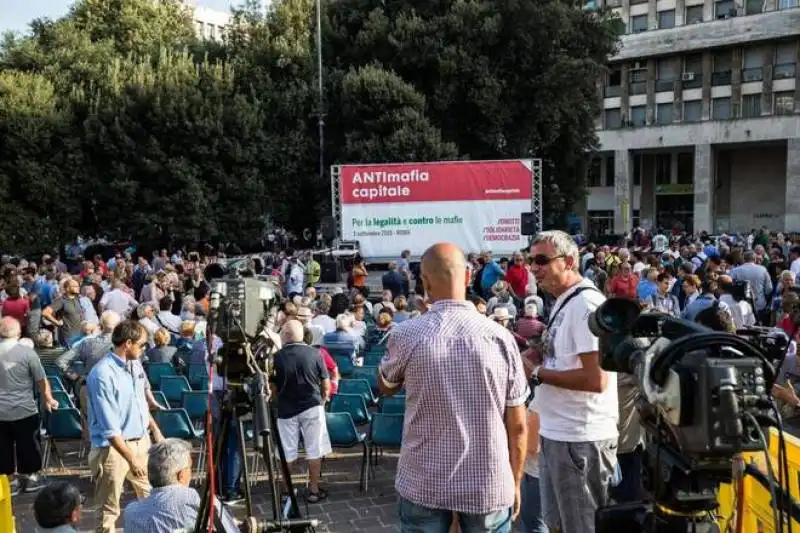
[16, 487]
[33, 483]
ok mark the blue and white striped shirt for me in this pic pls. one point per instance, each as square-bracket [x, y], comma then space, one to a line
[167, 509]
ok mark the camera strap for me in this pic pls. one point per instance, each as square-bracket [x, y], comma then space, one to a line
[566, 301]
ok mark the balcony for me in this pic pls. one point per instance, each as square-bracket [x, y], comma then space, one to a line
[611, 91]
[665, 86]
[783, 71]
[637, 87]
[712, 34]
[752, 74]
[695, 81]
[721, 78]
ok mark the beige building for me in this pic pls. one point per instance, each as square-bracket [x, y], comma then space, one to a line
[209, 23]
[701, 118]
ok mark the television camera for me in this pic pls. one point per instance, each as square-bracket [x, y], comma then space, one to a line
[242, 311]
[704, 397]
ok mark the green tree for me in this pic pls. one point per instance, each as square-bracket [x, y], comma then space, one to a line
[382, 119]
[36, 188]
[501, 79]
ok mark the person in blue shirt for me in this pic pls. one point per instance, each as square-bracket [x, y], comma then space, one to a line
[490, 274]
[647, 287]
[119, 422]
[705, 301]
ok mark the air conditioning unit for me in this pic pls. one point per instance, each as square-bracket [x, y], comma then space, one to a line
[688, 76]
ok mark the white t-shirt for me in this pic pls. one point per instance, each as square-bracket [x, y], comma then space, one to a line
[575, 416]
[660, 243]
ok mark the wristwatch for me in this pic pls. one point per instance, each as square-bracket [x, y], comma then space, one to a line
[535, 376]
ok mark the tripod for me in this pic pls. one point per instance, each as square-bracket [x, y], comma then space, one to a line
[236, 404]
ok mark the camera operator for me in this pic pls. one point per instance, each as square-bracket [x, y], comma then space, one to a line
[577, 399]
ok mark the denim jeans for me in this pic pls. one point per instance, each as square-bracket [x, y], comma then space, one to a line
[231, 461]
[630, 488]
[416, 518]
[531, 506]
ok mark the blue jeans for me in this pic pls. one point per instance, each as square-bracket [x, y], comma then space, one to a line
[531, 506]
[231, 461]
[416, 518]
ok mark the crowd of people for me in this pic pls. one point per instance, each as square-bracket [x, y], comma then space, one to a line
[494, 357]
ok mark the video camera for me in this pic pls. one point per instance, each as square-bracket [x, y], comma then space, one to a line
[704, 397]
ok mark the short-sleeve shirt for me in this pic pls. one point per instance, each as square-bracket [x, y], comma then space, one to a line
[298, 373]
[461, 372]
[70, 311]
[575, 416]
[20, 369]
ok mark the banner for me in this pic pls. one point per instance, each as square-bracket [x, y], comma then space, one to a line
[410, 206]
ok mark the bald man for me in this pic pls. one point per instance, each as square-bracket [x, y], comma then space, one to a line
[301, 385]
[464, 383]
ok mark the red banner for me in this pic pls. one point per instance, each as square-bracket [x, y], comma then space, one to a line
[451, 181]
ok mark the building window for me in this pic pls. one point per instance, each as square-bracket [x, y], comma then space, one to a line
[664, 113]
[614, 83]
[787, 4]
[637, 170]
[639, 115]
[693, 111]
[785, 60]
[593, 175]
[198, 28]
[667, 71]
[784, 103]
[751, 105]
[212, 32]
[638, 81]
[721, 108]
[752, 61]
[610, 170]
[666, 19]
[724, 9]
[723, 62]
[638, 23]
[663, 164]
[693, 71]
[694, 14]
[751, 7]
[613, 119]
[686, 168]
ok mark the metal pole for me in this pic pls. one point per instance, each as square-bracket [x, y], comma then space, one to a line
[320, 95]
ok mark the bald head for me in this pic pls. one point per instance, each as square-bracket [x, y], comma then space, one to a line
[443, 271]
[726, 279]
[292, 331]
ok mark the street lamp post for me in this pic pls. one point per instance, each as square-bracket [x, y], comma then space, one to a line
[320, 95]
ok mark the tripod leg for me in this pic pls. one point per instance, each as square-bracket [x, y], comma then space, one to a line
[285, 472]
[245, 473]
[268, 459]
[201, 525]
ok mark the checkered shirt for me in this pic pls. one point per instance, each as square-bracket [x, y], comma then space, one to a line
[460, 370]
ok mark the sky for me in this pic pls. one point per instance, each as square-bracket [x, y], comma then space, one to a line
[16, 14]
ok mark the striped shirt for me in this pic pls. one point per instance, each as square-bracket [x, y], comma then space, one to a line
[165, 510]
[461, 371]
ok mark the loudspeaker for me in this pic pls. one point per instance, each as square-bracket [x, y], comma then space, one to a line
[528, 224]
[330, 272]
[328, 227]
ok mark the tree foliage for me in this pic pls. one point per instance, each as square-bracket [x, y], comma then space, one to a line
[116, 121]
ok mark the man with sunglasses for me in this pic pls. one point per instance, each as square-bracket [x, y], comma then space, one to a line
[119, 422]
[577, 400]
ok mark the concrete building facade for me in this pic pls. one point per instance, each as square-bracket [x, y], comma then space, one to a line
[209, 23]
[701, 119]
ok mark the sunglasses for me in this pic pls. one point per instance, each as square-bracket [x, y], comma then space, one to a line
[543, 260]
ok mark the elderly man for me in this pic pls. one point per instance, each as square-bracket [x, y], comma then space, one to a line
[302, 385]
[20, 372]
[119, 422]
[474, 465]
[91, 350]
[146, 315]
[577, 399]
[172, 504]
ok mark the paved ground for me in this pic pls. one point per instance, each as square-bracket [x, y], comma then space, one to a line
[345, 510]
